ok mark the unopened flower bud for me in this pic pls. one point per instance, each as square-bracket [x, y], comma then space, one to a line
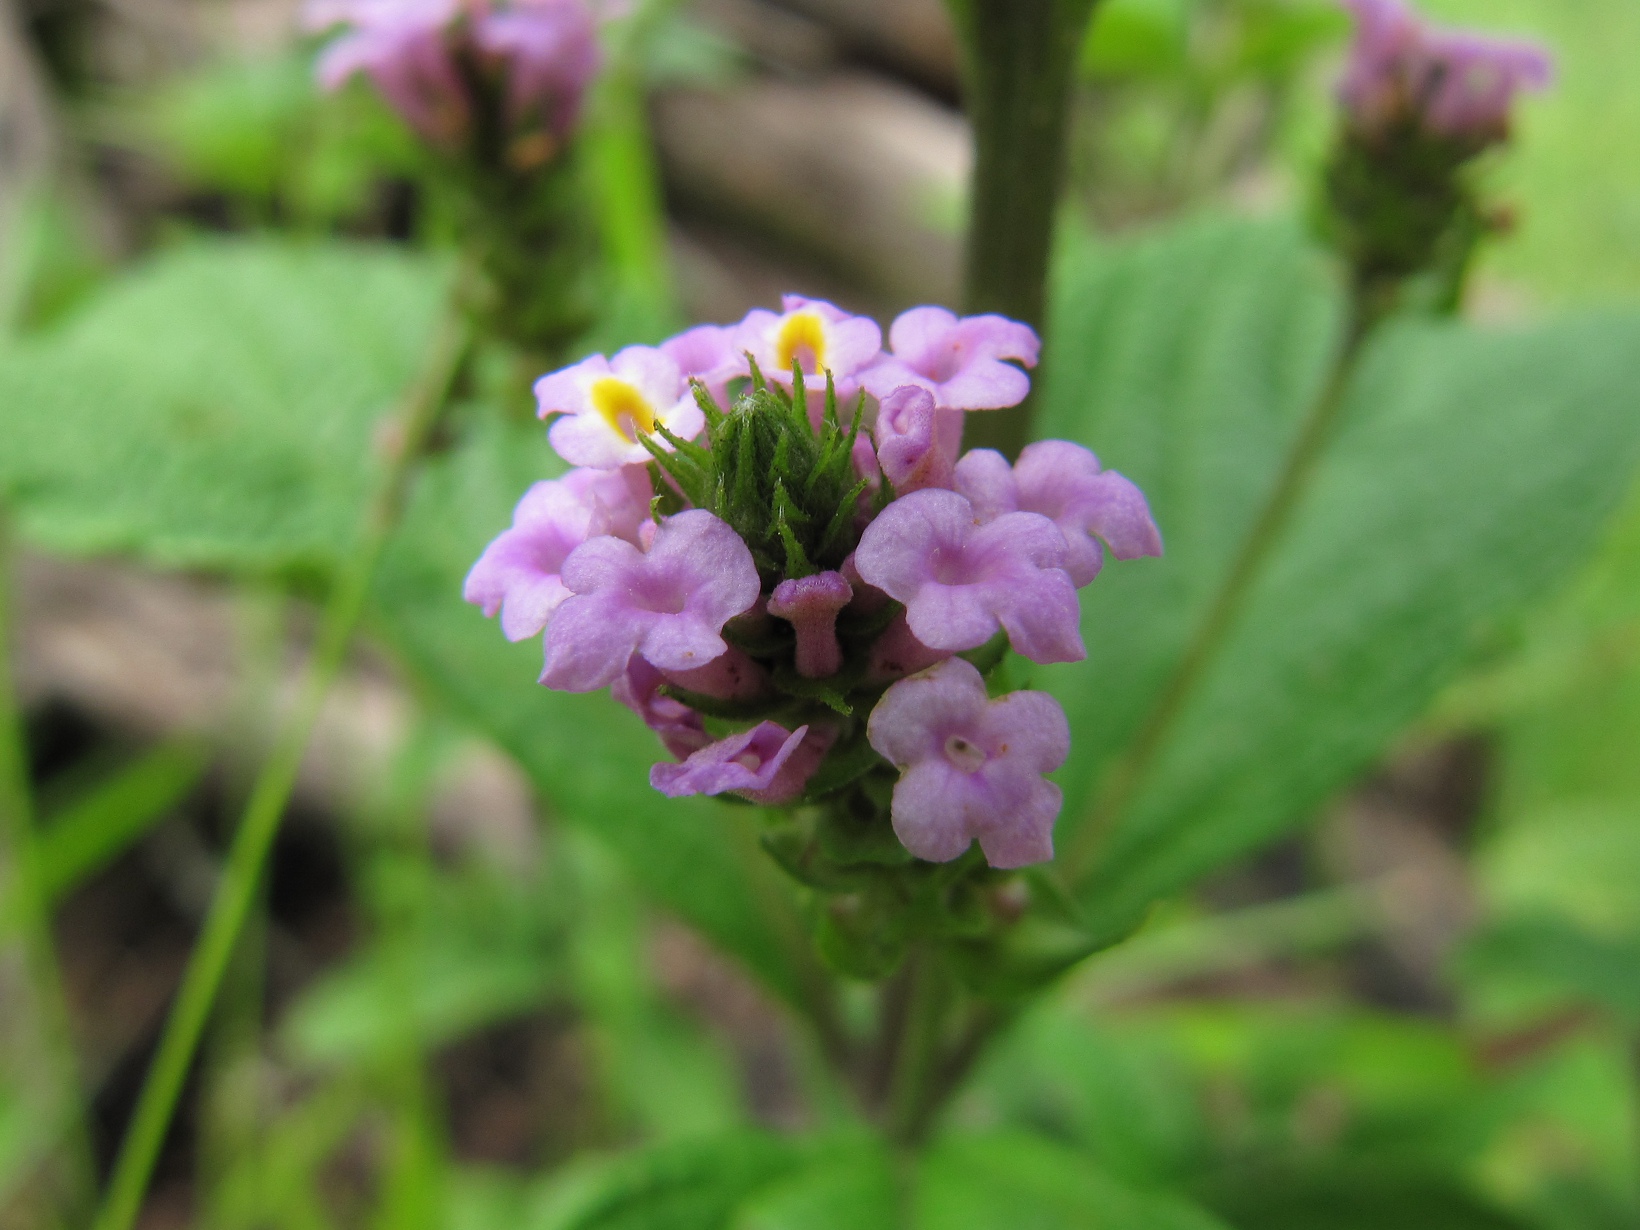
[811, 605]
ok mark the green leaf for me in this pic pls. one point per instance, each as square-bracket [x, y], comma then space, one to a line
[587, 755]
[1026, 1183]
[849, 1183]
[1565, 960]
[93, 831]
[217, 408]
[697, 1185]
[1472, 472]
[1357, 1197]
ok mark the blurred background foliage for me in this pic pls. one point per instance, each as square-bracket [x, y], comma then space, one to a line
[1423, 1011]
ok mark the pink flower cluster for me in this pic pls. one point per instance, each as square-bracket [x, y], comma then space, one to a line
[663, 611]
[1451, 82]
[427, 56]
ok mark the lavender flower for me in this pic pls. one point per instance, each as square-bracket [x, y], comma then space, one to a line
[518, 574]
[548, 53]
[707, 353]
[420, 55]
[679, 727]
[917, 443]
[959, 362]
[1064, 483]
[1453, 83]
[668, 604]
[403, 46]
[960, 580]
[971, 767]
[818, 337]
[751, 764]
[608, 404]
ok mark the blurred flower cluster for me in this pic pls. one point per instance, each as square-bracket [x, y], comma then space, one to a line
[456, 68]
[1420, 104]
[802, 594]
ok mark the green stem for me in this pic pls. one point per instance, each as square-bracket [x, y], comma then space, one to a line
[1130, 770]
[254, 837]
[1020, 57]
[917, 1059]
[29, 910]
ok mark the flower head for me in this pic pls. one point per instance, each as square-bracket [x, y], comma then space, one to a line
[815, 335]
[1064, 483]
[766, 764]
[1453, 83]
[668, 604]
[971, 767]
[958, 361]
[518, 574]
[610, 404]
[960, 580]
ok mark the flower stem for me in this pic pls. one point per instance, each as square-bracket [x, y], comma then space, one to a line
[1368, 305]
[1020, 55]
[28, 909]
[260, 823]
[916, 1061]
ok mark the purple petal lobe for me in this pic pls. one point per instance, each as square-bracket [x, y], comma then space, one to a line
[961, 581]
[668, 604]
[971, 768]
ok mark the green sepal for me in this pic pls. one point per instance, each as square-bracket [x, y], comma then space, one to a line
[829, 692]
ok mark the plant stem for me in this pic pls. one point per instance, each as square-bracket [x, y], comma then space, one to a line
[1020, 55]
[254, 837]
[1368, 305]
[917, 1057]
[29, 907]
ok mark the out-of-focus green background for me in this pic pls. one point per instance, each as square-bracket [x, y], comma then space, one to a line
[456, 1008]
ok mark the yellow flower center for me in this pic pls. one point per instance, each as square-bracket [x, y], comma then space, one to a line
[802, 338]
[623, 407]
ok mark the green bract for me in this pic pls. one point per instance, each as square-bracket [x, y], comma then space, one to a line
[790, 491]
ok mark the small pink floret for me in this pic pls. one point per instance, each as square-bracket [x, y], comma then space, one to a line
[960, 362]
[960, 580]
[519, 573]
[1064, 483]
[971, 768]
[757, 764]
[668, 604]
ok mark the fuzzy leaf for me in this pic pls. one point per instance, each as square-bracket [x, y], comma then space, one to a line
[218, 407]
[1472, 472]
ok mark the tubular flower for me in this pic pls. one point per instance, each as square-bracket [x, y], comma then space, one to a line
[785, 624]
[960, 580]
[669, 603]
[611, 405]
[1064, 483]
[971, 767]
[959, 361]
[518, 574]
[752, 763]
